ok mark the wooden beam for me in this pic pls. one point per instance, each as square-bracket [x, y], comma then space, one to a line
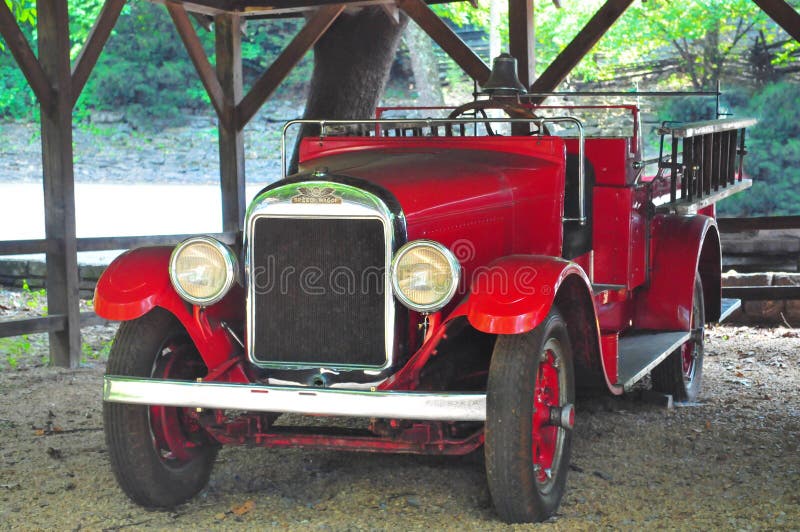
[94, 44]
[104, 243]
[734, 225]
[762, 293]
[228, 42]
[198, 56]
[22, 247]
[25, 58]
[59, 184]
[49, 324]
[446, 38]
[783, 14]
[272, 9]
[583, 42]
[262, 89]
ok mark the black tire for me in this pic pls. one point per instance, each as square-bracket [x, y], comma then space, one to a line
[522, 490]
[681, 373]
[148, 471]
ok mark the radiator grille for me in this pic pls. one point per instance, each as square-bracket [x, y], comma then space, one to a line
[318, 291]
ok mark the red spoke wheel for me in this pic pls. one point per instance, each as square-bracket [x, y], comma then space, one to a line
[160, 455]
[529, 419]
[681, 373]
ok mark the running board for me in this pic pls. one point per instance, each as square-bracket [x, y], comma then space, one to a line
[728, 307]
[640, 352]
[296, 400]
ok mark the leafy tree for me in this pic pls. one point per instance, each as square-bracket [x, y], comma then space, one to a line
[773, 148]
[24, 11]
[696, 41]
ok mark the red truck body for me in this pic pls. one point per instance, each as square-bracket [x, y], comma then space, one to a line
[611, 290]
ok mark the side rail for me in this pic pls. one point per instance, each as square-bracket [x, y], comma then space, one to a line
[703, 162]
[439, 127]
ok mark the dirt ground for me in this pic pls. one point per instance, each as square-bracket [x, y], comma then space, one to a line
[730, 461]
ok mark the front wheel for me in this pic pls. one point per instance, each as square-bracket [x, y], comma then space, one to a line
[529, 417]
[681, 373]
[160, 455]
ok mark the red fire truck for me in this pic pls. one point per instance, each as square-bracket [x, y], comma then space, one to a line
[449, 281]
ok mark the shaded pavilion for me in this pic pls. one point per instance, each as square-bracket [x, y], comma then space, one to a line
[57, 83]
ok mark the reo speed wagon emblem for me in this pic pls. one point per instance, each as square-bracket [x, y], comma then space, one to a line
[316, 195]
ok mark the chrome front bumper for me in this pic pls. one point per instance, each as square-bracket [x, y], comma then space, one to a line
[258, 398]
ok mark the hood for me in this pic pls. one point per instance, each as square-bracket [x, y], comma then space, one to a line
[451, 189]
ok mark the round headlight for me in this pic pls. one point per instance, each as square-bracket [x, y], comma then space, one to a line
[202, 270]
[425, 275]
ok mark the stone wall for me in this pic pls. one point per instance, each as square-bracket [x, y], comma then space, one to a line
[16, 270]
[761, 251]
[765, 312]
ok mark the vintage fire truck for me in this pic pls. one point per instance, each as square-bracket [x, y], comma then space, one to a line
[448, 281]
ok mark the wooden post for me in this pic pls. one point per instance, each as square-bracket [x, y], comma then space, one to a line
[231, 140]
[58, 179]
[520, 40]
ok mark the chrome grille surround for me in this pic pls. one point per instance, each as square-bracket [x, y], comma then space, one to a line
[281, 202]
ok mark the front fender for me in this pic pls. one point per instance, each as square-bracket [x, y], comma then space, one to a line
[134, 283]
[512, 295]
[138, 281]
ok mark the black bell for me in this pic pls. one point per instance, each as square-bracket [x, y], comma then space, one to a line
[504, 81]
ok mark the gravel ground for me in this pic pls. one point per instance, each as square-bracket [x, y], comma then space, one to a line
[730, 461]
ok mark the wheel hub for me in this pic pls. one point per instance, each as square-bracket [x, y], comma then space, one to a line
[548, 416]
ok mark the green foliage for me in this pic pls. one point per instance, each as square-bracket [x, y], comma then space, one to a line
[14, 348]
[36, 300]
[23, 10]
[16, 97]
[144, 67]
[88, 352]
[773, 153]
[695, 41]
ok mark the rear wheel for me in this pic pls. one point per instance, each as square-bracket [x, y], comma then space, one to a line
[160, 455]
[681, 374]
[529, 417]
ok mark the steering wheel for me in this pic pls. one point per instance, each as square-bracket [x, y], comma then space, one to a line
[513, 110]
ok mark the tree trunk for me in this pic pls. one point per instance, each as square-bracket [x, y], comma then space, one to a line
[425, 66]
[351, 66]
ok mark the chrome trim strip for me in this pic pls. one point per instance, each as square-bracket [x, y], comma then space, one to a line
[258, 398]
[428, 122]
[355, 204]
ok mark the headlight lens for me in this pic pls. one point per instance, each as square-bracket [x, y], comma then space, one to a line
[202, 270]
[425, 275]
